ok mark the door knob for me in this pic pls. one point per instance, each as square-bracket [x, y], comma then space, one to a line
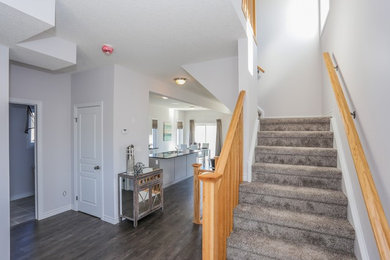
[96, 167]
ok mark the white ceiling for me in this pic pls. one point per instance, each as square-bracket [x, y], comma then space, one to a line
[156, 99]
[154, 37]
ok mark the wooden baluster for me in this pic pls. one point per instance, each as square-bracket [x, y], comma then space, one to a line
[196, 219]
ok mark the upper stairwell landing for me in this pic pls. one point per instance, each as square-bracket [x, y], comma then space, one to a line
[294, 208]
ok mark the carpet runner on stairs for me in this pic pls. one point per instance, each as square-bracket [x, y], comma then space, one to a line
[294, 207]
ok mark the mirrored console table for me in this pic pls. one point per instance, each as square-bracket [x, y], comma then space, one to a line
[140, 195]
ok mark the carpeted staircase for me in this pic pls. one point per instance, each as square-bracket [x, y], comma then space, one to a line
[294, 208]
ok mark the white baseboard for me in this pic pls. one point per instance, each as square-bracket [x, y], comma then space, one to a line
[252, 150]
[54, 212]
[110, 220]
[352, 204]
[21, 196]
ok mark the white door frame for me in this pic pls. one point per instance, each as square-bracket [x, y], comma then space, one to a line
[76, 188]
[38, 160]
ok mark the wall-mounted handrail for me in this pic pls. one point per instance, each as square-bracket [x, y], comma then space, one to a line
[260, 69]
[374, 207]
[220, 189]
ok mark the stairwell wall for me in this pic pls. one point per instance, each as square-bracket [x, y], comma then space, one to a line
[357, 34]
[289, 51]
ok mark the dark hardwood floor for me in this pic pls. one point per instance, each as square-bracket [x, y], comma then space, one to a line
[73, 235]
[22, 210]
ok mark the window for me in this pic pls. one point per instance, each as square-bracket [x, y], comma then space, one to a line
[206, 133]
[324, 11]
[153, 138]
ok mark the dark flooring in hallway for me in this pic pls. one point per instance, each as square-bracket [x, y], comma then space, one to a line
[22, 210]
[73, 235]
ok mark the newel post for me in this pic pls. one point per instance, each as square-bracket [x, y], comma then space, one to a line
[196, 219]
[210, 247]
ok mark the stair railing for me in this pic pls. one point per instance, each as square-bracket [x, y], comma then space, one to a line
[220, 189]
[374, 207]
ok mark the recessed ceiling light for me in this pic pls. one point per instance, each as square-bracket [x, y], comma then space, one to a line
[164, 97]
[180, 81]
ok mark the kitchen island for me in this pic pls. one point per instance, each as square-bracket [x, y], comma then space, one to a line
[176, 165]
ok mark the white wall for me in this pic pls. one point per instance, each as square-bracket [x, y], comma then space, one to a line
[4, 154]
[288, 42]
[220, 77]
[21, 154]
[53, 91]
[165, 114]
[96, 86]
[357, 33]
[247, 53]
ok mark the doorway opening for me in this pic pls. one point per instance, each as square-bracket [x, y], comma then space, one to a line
[22, 161]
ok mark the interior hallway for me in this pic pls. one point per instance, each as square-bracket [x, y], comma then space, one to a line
[73, 235]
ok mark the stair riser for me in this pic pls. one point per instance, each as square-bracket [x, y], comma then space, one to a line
[345, 245]
[296, 141]
[313, 160]
[301, 181]
[235, 254]
[298, 205]
[295, 127]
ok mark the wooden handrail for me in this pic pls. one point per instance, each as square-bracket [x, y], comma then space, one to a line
[220, 189]
[249, 9]
[374, 207]
[260, 69]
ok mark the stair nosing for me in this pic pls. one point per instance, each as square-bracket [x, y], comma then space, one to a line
[343, 198]
[294, 227]
[289, 244]
[294, 170]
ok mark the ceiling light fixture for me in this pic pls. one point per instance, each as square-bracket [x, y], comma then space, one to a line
[180, 81]
[164, 97]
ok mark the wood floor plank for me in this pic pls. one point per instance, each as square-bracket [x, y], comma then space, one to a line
[74, 235]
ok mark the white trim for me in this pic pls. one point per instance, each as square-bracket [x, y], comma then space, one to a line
[38, 174]
[110, 220]
[349, 189]
[56, 211]
[21, 196]
[75, 205]
[262, 113]
[251, 155]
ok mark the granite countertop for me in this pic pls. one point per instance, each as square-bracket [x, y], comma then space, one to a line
[172, 154]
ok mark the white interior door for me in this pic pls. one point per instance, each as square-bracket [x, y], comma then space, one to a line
[89, 160]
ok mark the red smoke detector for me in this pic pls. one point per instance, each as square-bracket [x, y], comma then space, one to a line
[107, 49]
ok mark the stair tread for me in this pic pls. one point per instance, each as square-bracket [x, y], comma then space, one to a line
[296, 192]
[310, 222]
[289, 120]
[289, 134]
[312, 151]
[262, 245]
[302, 170]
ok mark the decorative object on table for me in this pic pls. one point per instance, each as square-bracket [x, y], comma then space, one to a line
[167, 131]
[130, 159]
[144, 196]
[139, 168]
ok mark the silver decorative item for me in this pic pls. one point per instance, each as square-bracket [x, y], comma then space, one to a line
[139, 168]
[130, 159]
